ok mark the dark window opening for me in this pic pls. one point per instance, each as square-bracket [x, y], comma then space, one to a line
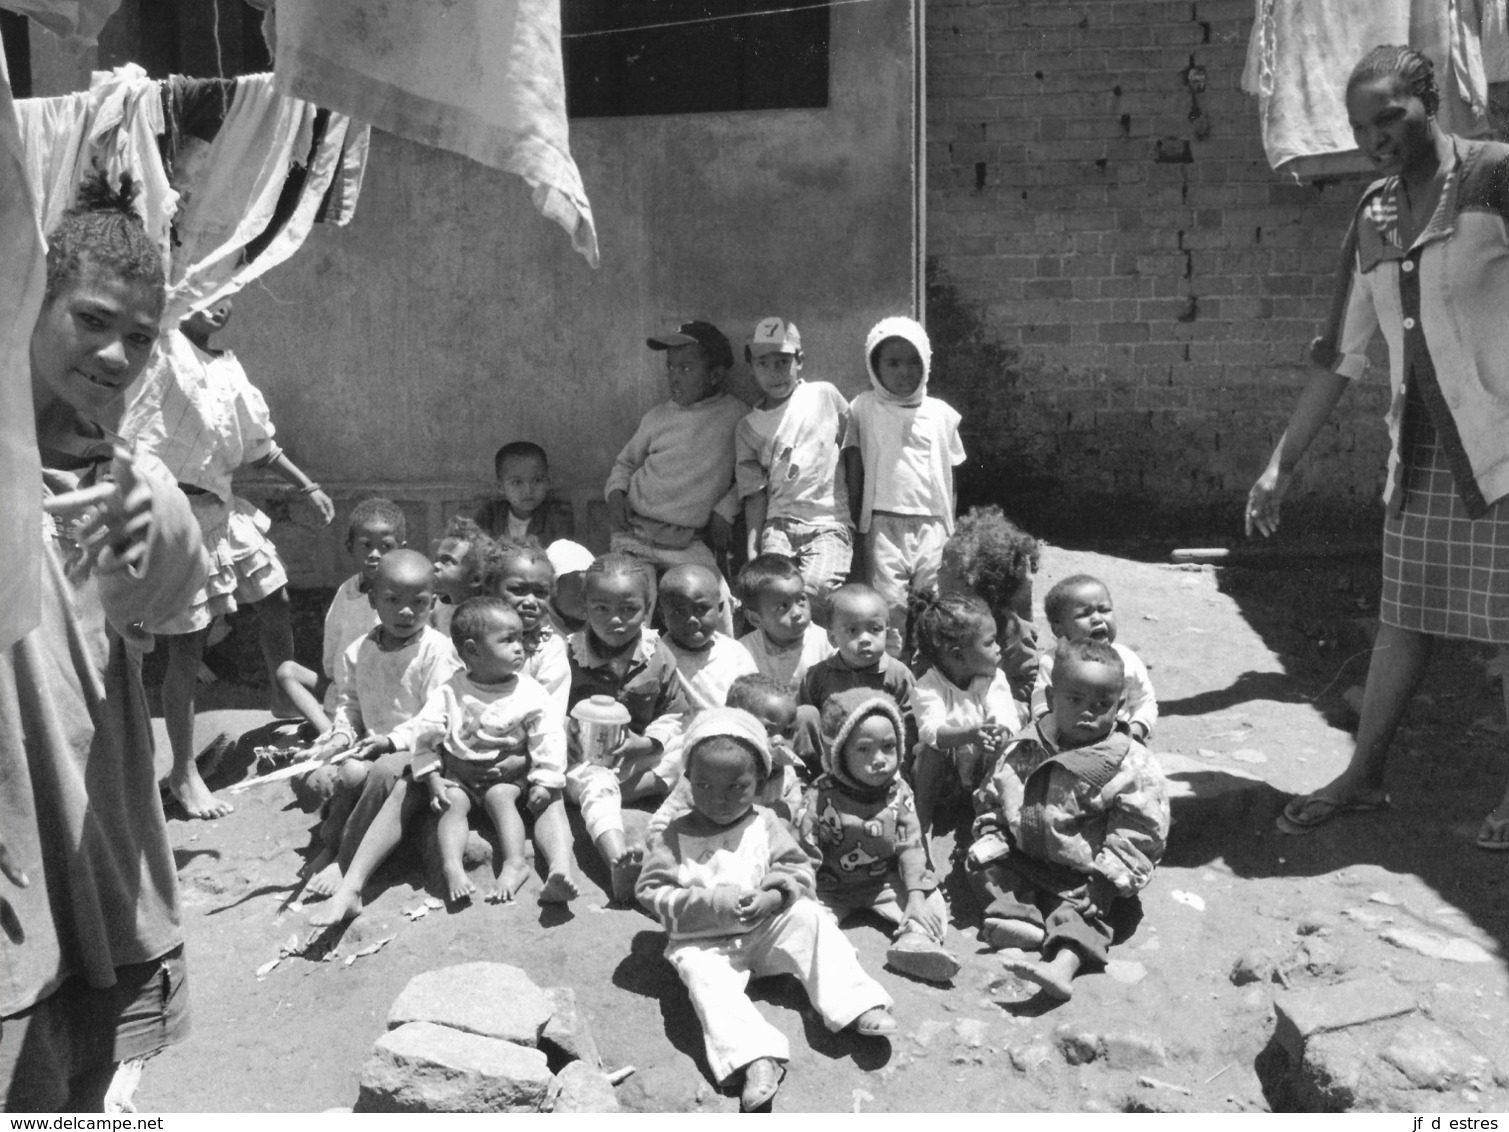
[203, 39]
[17, 37]
[693, 56]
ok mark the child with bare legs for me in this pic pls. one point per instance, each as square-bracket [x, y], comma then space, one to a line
[376, 526]
[384, 680]
[483, 737]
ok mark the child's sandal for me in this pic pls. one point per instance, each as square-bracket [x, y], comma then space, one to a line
[876, 1022]
[762, 1079]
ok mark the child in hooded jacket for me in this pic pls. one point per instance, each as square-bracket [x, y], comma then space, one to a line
[900, 450]
[858, 823]
[733, 890]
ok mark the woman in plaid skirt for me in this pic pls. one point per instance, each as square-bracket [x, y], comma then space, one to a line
[1427, 262]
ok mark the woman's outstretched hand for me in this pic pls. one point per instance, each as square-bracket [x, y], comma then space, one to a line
[1264, 499]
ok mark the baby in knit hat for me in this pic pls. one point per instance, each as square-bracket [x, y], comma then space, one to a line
[733, 890]
[859, 824]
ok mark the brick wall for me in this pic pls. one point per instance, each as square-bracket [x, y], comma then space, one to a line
[1120, 289]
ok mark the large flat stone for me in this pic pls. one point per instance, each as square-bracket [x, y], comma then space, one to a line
[494, 1000]
[567, 1035]
[421, 1067]
[1301, 1014]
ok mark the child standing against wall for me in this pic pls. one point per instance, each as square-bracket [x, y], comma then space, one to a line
[900, 452]
[789, 473]
[672, 484]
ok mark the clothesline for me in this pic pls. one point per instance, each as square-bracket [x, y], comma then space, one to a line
[716, 19]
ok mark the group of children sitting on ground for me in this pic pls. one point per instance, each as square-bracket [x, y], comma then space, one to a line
[795, 772]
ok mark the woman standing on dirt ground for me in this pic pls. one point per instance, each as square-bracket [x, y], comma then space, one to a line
[1427, 261]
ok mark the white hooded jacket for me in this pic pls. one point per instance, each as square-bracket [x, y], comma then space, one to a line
[909, 446]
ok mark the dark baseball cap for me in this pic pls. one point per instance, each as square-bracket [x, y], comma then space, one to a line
[703, 334]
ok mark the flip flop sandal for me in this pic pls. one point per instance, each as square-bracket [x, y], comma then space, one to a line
[877, 1022]
[1311, 811]
[1493, 835]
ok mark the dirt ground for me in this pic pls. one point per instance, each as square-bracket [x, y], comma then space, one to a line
[1250, 667]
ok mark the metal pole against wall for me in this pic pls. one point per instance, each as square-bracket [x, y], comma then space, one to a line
[919, 160]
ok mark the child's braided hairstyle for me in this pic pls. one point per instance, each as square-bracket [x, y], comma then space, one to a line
[944, 622]
[103, 232]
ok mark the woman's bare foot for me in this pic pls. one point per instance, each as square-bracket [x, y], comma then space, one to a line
[344, 905]
[327, 880]
[625, 872]
[560, 888]
[1054, 977]
[195, 797]
[510, 880]
[458, 885]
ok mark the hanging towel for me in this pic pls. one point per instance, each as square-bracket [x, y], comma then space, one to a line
[112, 127]
[77, 21]
[1302, 52]
[480, 77]
[21, 285]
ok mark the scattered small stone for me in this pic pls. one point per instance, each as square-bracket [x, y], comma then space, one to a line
[1194, 900]
[1128, 972]
[1077, 1047]
[433, 903]
[1313, 923]
[1322, 959]
[580, 1087]
[860, 1096]
[1132, 1051]
[1207, 753]
[1030, 1057]
[1255, 966]
[418, 912]
[1384, 898]
[930, 1028]
[1249, 755]
[970, 1032]
[266, 968]
[1454, 949]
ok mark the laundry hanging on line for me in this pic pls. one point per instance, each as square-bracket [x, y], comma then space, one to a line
[1302, 52]
[232, 173]
[483, 78]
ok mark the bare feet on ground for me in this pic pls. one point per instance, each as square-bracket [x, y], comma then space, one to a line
[343, 906]
[999, 933]
[326, 878]
[559, 889]
[1054, 977]
[625, 872]
[458, 886]
[510, 880]
[195, 797]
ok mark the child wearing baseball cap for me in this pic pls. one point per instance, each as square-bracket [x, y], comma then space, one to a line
[671, 487]
[788, 470]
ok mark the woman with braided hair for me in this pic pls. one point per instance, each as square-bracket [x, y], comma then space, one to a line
[1426, 261]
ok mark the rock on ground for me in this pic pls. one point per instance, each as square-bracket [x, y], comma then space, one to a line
[422, 1067]
[494, 1000]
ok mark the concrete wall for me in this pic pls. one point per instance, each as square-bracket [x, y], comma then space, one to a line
[397, 354]
[1120, 286]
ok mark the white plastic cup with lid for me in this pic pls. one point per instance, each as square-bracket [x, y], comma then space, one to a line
[600, 724]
